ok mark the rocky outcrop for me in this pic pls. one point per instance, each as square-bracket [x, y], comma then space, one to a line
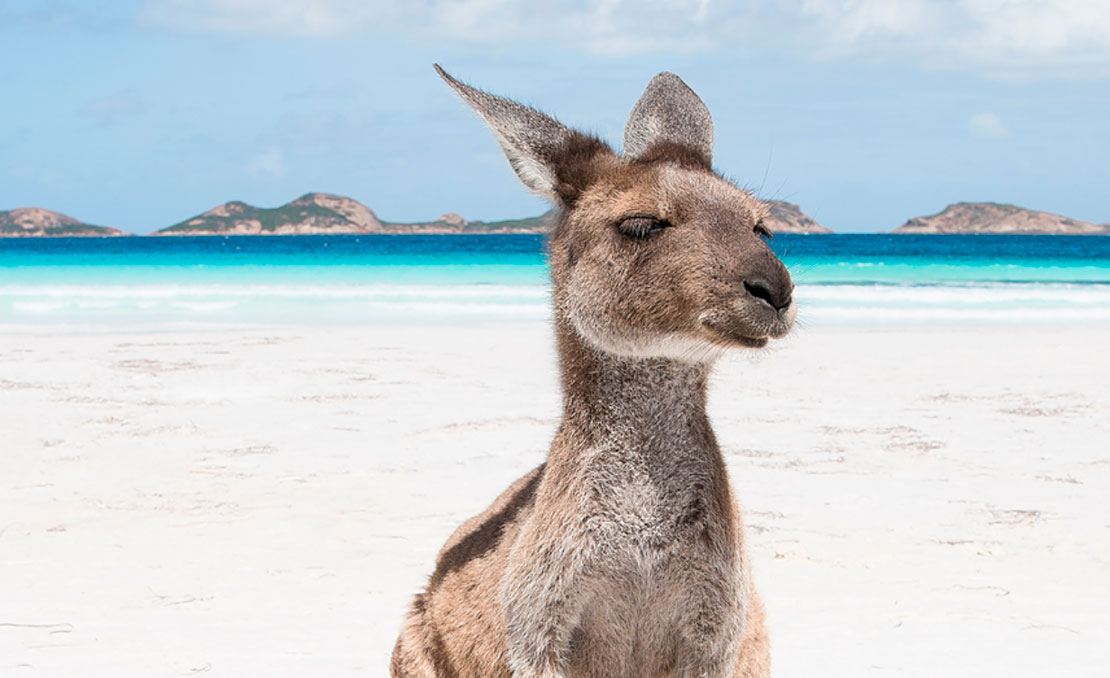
[993, 218]
[452, 219]
[312, 213]
[453, 223]
[25, 222]
[786, 217]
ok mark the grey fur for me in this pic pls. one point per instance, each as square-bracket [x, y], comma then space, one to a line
[668, 110]
[528, 137]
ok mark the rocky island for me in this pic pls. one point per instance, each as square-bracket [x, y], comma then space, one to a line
[453, 223]
[318, 213]
[312, 213]
[994, 218]
[30, 222]
[786, 217]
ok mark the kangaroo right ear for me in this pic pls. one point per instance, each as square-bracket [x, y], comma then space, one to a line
[669, 111]
[548, 157]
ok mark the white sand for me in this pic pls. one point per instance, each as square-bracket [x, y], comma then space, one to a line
[920, 502]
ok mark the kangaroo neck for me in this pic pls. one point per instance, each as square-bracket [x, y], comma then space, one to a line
[644, 403]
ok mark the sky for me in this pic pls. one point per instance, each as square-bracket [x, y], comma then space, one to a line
[140, 114]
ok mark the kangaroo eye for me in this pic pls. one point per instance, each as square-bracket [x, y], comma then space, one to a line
[762, 231]
[641, 227]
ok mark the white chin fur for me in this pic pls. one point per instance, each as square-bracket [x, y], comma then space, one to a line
[672, 346]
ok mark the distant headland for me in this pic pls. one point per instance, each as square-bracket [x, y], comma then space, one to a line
[323, 213]
[37, 222]
[993, 218]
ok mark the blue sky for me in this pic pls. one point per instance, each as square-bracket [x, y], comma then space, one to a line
[139, 114]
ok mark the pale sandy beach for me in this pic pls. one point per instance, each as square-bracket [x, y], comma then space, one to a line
[920, 501]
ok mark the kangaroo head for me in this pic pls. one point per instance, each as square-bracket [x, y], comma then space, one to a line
[654, 254]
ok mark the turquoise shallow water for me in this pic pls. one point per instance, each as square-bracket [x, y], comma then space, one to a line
[841, 279]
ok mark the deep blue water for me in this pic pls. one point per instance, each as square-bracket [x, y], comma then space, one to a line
[348, 278]
[368, 249]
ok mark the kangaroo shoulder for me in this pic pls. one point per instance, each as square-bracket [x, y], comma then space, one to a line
[482, 533]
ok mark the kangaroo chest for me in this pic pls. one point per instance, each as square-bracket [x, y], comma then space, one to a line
[645, 501]
[665, 562]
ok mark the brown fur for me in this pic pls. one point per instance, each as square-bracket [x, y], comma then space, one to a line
[623, 555]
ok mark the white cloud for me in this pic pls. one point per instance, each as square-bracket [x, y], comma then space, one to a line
[1001, 37]
[308, 18]
[268, 164]
[988, 125]
[861, 21]
[599, 26]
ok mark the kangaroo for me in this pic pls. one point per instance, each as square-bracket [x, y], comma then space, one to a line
[623, 554]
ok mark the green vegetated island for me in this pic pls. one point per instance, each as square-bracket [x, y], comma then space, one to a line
[322, 213]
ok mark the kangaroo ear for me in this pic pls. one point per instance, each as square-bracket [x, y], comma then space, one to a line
[547, 156]
[669, 111]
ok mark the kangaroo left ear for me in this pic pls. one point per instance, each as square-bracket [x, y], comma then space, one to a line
[669, 111]
[549, 158]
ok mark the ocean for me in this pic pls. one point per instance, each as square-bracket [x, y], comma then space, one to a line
[185, 282]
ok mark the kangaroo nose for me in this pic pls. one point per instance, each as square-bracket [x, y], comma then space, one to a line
[776, 299]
